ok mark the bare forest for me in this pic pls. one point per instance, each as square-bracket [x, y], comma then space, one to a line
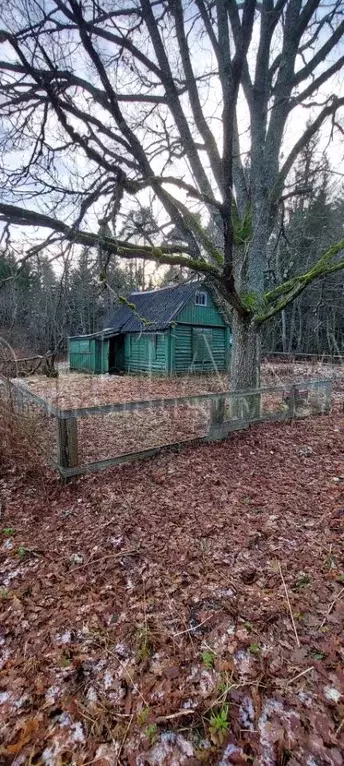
[171, 545]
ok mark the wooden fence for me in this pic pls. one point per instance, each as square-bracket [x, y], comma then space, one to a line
[298, 356]
[202, 418]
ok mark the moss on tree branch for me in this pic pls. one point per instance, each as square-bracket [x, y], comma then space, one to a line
[280, 297]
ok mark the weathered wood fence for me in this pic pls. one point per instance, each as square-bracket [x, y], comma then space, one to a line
[217, 415]
[298, 356]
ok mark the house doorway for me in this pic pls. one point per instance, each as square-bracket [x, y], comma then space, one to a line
[116, 354]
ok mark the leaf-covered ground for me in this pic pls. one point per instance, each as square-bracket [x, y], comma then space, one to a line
[107, 435]
[74, 389]
[145, 615]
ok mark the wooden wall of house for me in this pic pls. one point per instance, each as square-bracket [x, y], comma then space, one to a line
[185, 354]
[89, 354]
[208, 315]
[82, 354]
[105, 356]
[146, 352]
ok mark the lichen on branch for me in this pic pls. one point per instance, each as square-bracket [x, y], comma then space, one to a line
[280, 297]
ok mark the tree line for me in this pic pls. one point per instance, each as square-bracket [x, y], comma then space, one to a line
[43, 305]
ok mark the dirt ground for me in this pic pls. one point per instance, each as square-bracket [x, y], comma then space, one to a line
[184, 610]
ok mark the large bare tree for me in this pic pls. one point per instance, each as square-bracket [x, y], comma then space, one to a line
[205, 105]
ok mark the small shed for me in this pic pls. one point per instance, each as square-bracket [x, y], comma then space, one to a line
[166, 331]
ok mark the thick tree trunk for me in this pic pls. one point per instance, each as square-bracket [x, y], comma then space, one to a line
[245, 368]
[246, 355]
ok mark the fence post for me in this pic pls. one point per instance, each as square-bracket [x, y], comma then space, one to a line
[253, 403]
[328, 398]
[67, 442]
[19, 402]
[218, 428]
[292, 402]
[217, 412]
[246, 406]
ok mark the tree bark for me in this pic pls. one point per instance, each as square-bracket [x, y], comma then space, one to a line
[245, 368]
[292, 328]
[246, 354]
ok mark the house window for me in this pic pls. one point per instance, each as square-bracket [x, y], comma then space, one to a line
[201, 299]
[201, 345]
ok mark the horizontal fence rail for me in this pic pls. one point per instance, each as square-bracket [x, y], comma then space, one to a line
[289, 356]
[93, 438]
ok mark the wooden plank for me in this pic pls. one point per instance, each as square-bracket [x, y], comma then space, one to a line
[326, 384]
[272, 417]
[291, 355]
[103, 409]
[129, 457]
[221, 431]
[328, 397]
[171, 365]
[292, 401]
[217, 412]
[67, 442]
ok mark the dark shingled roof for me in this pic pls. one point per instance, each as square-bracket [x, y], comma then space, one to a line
[157, 307]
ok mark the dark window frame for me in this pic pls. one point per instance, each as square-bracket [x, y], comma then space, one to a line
[201, 298]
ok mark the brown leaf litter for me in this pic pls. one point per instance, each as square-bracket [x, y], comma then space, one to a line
[139, 604]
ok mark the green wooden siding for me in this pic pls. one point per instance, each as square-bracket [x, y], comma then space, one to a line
[187, 349]
[105, 356]
[82, 354]
[89, 355]
[207, 315]
[197, 340]
[171, 350]
[202, 345]
[147, 352]
[228, 348]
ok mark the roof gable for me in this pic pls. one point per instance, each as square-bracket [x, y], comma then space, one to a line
[201, 314]
[154, 309]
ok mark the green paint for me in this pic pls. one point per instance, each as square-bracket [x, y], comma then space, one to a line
[82, 354]
[105, 356]
[208, 315]
[187, 344]
[171, 349]
[198, 340]
[227, 341]
[146, 352]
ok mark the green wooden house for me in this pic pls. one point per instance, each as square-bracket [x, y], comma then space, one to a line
[167, 331]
